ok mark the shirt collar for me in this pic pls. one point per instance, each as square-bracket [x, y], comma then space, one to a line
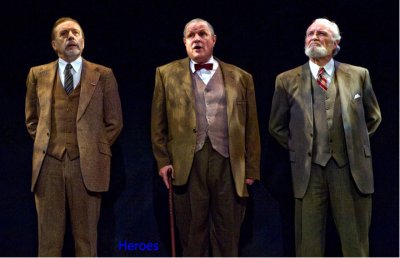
[76, 64]
[329, 68]
[211, 60]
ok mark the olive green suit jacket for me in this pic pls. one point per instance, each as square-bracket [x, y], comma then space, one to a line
[173, 122]
[98, 122]
[291, 121]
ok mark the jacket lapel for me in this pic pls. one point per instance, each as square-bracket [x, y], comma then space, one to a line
[230, 92]
[89, 80]
[184, 73]
[306, 92]
[46, 81]
[343, 79]
[343, 83]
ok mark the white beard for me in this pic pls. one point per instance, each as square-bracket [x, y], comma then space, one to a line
[316, 52]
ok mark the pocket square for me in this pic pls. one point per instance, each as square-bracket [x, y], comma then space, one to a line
[357, 96]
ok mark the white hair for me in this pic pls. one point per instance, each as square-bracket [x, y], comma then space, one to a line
[334, 29]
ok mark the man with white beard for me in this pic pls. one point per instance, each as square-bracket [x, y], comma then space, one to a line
[323, 113]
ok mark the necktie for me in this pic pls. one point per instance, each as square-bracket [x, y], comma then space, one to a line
[201, 66]
[68, 80]
[321, 80]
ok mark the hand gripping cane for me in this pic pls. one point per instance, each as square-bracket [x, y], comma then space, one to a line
[171, 213]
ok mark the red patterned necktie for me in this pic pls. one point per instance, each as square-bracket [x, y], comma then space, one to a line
[321, 80]
[201, 66]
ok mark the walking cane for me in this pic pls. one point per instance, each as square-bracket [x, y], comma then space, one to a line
[171, 213]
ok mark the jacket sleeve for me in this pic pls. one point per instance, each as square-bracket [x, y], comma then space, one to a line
[31, 105]
[279, 117]
[112, 108]
[253, 148]
[159, 123]
[372, 111]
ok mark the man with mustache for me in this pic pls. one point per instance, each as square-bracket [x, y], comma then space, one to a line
[324, 112]
[204, 130]
[73, 113]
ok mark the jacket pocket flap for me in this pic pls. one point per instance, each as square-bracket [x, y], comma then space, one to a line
[292, 156]
[104, 148]
[367, 151]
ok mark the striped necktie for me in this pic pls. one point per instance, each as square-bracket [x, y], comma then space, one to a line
[321, 80]
[68, 79]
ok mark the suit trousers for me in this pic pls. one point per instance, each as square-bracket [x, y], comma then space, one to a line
[60, 188]
[351, 212]
[208, 210]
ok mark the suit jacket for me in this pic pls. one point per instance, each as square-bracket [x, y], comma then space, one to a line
[291, 121]
[98, 122]
[173, 122]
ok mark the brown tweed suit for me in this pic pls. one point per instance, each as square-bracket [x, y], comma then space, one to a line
[98, 123]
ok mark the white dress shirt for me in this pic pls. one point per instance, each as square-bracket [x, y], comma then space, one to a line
[329, 70]
[204, 74]
[76, 70]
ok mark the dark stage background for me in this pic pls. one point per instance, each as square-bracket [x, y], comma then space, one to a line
[133, 38]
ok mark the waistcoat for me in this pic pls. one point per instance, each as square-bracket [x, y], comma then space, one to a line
[64, 110]
[329, 139]
[211, 116]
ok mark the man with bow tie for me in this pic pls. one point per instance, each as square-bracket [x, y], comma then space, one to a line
[324, 112]
[204, 130]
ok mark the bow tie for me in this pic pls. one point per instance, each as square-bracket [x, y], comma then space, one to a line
[201, 66]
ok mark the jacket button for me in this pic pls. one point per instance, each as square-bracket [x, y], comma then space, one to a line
[194, 130]
[309, 154]
[44, 152]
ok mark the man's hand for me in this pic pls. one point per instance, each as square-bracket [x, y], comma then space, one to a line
[164, 172]
[249, 181]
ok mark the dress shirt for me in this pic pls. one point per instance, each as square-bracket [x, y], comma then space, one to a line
[76, 70]
[204, 74]
[329, 70]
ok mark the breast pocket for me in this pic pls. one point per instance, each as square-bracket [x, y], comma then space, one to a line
[356, 101]
[358, 108]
